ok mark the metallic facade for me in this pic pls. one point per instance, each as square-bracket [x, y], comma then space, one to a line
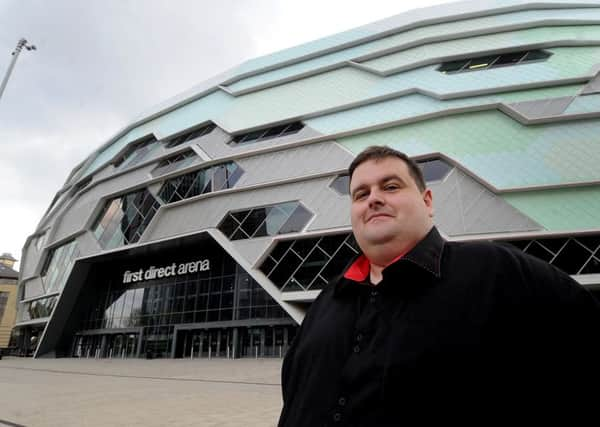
[521, 138]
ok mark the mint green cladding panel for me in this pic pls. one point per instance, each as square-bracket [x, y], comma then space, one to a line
[506, 40]
[315, 94]
[326, 91]
[564, 63]
[417, 105]
[330, 90]
[584, 105]
[209, 107]
[565, 209]
[443, 30]
[299, 98]
[305, 49]
[498, 149]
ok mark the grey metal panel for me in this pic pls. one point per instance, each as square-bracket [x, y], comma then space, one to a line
[592, 87]
[542, 108]
[76, 216]
[216, 144]
[469, 191]
[207, 212]
[294, 162]
[333, 208]
[29, 260]
[36, 283]
[463, 206]
[87, 244]
[492, 214]
[155, 188]
[252, 249]
[102, 173]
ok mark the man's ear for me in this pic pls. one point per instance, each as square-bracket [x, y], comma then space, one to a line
[428, 199]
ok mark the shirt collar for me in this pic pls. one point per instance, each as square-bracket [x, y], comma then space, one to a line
[427, 255]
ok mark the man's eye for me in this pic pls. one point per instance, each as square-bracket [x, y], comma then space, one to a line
[391, 187]
[360, 195]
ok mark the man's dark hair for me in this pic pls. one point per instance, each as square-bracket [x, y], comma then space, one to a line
[379, 152]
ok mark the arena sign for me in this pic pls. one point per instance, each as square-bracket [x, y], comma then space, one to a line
[173, 269]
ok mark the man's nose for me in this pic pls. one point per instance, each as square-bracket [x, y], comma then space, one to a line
[375, 198]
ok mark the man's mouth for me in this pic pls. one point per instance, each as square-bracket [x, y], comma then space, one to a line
[378, 215]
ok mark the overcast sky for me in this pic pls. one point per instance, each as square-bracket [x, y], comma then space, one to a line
[101, 63]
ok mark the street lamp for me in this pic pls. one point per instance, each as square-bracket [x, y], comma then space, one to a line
[15, 54]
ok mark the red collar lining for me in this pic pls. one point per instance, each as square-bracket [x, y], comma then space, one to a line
[359, 270]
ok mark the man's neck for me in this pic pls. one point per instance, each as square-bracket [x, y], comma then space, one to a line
[383, 255]
[375, 273]
[379, 261]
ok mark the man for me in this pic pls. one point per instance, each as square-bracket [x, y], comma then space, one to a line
[420, 326]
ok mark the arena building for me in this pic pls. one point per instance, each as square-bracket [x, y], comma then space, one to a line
[206, 228]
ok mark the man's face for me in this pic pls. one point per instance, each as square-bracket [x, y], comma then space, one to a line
[387, 206]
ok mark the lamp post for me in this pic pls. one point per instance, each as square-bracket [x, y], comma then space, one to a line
[22, 43]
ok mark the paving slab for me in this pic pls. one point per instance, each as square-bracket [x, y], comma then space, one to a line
[139, 392]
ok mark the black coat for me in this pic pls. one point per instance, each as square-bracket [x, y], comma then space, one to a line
[452, 328]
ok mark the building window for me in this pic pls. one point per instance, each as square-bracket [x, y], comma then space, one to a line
[493, 61]
[189, 135]
[202, 181]
[124, 219]
[58, 265]
[226, 294]
[262, 221]
[433, 170]
[37, 309]
[272, 132]
[175, 162]
[573, 255]
[136, 152]
[3, 301]
[309, 264]
[341, 184]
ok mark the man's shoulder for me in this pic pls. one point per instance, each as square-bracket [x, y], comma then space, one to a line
[482, 246]
[502, 260]
[491, 251]
[485, 251]
[505, 261]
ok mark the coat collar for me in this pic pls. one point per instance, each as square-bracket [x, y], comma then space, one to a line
[427, 255]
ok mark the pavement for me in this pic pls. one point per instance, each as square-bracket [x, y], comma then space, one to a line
[139, 392]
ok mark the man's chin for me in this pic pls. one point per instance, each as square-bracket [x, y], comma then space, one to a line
[379, 238]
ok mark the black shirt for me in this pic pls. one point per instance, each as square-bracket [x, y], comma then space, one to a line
[450, 327]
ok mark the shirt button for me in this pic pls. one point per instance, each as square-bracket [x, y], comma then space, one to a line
[342, 401]
[359, 337]
[337, 417]
[356, 348]
[374, 293]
